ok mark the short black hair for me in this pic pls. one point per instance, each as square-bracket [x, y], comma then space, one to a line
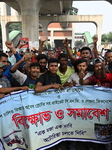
[50, 50]
[79, 61]
[34, 64]
[85, 48]
[3, 55]
[108, 51]
[42, 56]
[62, 55]
[52, 60]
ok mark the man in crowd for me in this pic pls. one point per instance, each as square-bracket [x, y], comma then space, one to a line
[29, 80]
[85, 53]
[64, 71]
[42, 60]
[50, 79]
[108, 58]
[4, 59]
[96, 78]
[4, 82]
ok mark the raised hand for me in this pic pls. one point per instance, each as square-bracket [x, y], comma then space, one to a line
[9, 45]
[43, 37]
[95, 39]
[65, 42]
[25, 58]
[81, 74]
[21, 44]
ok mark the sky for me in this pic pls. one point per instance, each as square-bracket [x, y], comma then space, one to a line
[94, 8]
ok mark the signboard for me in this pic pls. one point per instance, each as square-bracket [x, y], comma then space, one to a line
[37, 121]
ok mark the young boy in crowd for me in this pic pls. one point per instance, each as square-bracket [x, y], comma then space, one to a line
[50, 79]
[64, 71]
[80, 66]
[29, 80]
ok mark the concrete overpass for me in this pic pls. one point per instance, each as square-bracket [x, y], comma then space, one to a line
[96, 19]
[30, 10]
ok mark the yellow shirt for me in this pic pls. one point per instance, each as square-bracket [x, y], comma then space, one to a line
[65, 77]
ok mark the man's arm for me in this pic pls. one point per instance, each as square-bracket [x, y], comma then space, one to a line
[41, 88]
[42, 40]
[10, 45]
[16, 66]
[65, 43]
[6, 90]
[103, 72]
[95, 39]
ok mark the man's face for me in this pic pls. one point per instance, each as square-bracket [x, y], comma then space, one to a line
[109, 57]
[42, 63]
[82, 67]
[34, 71]
[63, 62]
[4, 60]
[97, 68]
[1, 70]
[51, 54]
[53, 67]
[10, 54]
[86, 54]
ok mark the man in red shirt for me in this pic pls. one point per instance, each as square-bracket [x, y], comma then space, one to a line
[96, 78]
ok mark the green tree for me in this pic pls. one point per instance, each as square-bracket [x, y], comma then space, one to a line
[104, 38]
[15, 26]
[109, 36]
[79, 43]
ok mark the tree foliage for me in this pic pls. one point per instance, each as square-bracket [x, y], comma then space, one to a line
[107, 38]
[15, 26]
[79, 43]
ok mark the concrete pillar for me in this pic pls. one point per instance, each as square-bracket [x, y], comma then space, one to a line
[73, 39]
[3, 9]
[30, 20]
[99, 33]
[52, 38]
[44, 25]
[4, 32]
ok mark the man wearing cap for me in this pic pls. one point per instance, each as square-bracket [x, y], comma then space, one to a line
[4, 82]
[96, 78]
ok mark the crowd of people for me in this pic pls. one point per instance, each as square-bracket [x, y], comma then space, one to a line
[40, 70]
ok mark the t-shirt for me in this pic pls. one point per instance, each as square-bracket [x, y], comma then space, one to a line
[65, 77]
[104, 82]
[4, 82]
[24, 80]
[108, 78]
[75, 77]
[47, 79]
